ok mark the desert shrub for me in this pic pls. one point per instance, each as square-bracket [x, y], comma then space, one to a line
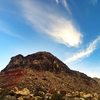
[63, 93]
[57, 96]
[3, 93]
[40, 88]
[40, 91]
[99, 98]
[9, 97]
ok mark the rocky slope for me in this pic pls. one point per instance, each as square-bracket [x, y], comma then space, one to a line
[43, 70]
[97, 79]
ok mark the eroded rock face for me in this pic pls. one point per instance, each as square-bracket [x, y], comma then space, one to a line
[15, 62]
[38, 61]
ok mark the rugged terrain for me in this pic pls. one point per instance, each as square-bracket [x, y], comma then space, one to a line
[44, 72]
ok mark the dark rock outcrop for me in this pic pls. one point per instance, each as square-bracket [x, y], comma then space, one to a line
[38, 61]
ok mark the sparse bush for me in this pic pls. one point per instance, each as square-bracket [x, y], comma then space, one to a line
[3, 93]
[57, 96]
[9, 97]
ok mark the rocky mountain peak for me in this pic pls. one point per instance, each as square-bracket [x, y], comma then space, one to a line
[38, 61]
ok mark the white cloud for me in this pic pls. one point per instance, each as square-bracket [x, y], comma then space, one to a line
[65, 4]
[84, 53]
[49, 21]
[57, 1]
[4, 28]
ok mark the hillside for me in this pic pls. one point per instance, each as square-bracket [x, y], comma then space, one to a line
[44, 71]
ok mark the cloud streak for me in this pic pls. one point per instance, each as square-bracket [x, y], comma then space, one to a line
[6, 30]
[49, 21]
[57, 1]
[65, 4]
[84, 53]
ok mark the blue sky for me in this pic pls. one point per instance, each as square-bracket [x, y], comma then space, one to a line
[69, 29]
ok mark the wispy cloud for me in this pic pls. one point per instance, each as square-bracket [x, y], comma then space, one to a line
[4, 29]
[57, 1]
[65, 4]
[84, 53]
[48, 21]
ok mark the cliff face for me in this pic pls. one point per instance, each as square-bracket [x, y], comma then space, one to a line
[42, 69]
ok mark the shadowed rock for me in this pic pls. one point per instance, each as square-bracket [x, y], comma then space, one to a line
[38, 61]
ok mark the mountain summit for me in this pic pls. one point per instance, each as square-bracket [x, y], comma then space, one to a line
[42, 69]
[38, 61]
